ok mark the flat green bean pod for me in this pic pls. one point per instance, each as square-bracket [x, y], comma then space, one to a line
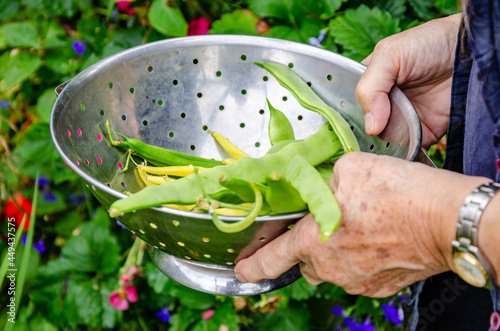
[281, 196]
[317, 195]
[316, 149]
[279, 128]
[310, 100]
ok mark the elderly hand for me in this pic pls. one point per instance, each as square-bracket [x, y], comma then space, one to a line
[398, 222]
[420, 62]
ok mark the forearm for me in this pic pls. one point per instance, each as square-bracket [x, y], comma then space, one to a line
[489, 231]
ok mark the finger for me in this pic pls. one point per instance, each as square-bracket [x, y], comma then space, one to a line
[372, 92]
[270, 261]
[309, 275]
[367, 60]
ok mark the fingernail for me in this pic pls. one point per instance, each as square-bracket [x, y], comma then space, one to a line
[369, 122]
[240, 278]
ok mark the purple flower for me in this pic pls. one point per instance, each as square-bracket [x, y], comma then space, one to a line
[392, 314]
[48, 196]
[77, 199]
[317, 41]
[337, 310]
[79, 47]
[164, 314]
[351, 323]
[38, 246]
[43, 181]
[121, 225]
[4, 104]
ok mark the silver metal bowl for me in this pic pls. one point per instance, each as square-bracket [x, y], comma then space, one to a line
[169, 93]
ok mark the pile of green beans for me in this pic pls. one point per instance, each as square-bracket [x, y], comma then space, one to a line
[291, 177]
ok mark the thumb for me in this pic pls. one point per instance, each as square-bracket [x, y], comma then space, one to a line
[372, 92]
[268, 262]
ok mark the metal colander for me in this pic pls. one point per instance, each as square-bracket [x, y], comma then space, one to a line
[170, 93]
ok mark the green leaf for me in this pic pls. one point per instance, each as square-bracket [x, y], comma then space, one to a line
[309, 28]
[16, 68]
[157, 280]
[225, 315]
[167, 20]
[183, 318]
[358, 30]
[45, 102]
[423, 9]
[52, 37]
[294, 316]
[68, 222]
[94, 250]
[302, 290]
[20, 34]
[271, 8]
[193, 299]
[331, 6]
[238, 22]
[8, 9]
[93, 32]
[447, 7]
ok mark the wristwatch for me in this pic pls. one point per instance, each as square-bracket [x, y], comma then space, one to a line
[469, 263]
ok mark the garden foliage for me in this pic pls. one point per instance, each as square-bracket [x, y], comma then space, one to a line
[83, 274]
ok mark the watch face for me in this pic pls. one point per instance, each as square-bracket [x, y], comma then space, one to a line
[470, 269]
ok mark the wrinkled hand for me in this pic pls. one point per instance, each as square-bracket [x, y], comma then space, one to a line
[420, 62]
[398, 222]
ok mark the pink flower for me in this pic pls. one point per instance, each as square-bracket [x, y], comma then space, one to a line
[120, 298]
[208, 314]
[198, 26]
[124, 7]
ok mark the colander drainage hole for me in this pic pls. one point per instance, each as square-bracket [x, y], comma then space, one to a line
[261, 111]
[192, 147]
[124, 117]
[120, 165]
[265, 78]
[309, 84]
[352, 127]
[144, 122]
[290, 65]
[342, 103]
[372, 146]
[150, 68]
[221, 107]
[285, 98]
[195, 61]
[110, 85]
[218, 73]
[131, 90]
[262, 238]
[171, 134]
[329, 77]
[387, 145]
[257, 144]
[82, 106]
[243, 57]
[205, 128]
[102, 112]
[243, 91]
[160, 102]
[183, 115]
[242, 125]
[300, 117]
[124, 185]
[175, 82]
[199, 95]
